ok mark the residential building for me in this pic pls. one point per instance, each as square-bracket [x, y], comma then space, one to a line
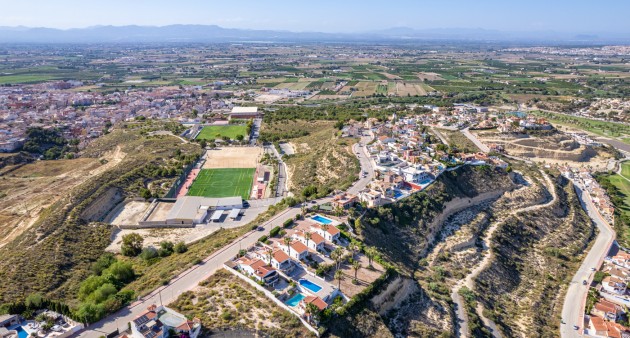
[157, 321]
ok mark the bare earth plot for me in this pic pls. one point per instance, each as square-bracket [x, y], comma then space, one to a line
[233, 157]
[26, 191]
[429, 76]
[128, 213]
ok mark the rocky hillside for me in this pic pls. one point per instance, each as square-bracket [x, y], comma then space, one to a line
[53, 256]
[404, 233]
[536, 254]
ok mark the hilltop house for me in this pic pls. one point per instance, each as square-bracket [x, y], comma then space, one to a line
[258, 269]
[157, 321]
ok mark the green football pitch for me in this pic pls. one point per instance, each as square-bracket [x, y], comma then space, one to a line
[215, 132]
[223, 183]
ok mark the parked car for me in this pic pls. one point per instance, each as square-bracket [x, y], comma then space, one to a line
[584, 282]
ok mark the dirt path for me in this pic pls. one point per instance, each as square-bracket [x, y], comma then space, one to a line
[485, 262]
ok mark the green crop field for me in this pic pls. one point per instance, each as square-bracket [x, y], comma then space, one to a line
[223, 183]
[215, 132]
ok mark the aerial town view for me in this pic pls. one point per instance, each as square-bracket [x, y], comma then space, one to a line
[332, 169]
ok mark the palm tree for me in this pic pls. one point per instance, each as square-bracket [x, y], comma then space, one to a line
[339, 278]
[337, 254]
[356, 265]
[269, 252]
[287, 241]
[325, 228]
[370, 252]
[353, 248]
[307, 237]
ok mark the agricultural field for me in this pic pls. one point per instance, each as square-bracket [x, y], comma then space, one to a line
[217, 132]
[406, 89]
[223, 183]
[364, 89]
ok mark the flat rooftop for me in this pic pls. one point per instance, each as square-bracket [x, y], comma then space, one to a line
[186, 207]
[242, 110]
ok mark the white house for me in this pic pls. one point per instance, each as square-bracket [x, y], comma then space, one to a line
[296, 250]
[316, 242]
[157, 321]
[415, 175]
[614, 285]
[258, 269]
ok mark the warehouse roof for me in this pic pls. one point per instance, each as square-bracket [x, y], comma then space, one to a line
[244, 110]
[186, 206]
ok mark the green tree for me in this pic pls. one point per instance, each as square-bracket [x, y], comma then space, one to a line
[240, 137]
[131, 244]
[370, 252]
[34, 301]
[203, 144]
[180, 247]
[89, 312]
[356, 265]
[339, 277]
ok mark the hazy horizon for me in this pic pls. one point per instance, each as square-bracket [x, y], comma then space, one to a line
[578, 17]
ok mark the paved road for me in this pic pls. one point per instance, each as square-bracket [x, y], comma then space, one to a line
[475, 140]
[253, 137]
[282, 186]
[366, 165]
[439, 135]
[573, 308]
[190, 278]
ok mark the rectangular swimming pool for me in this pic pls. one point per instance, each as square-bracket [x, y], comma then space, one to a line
[321, 219]
[310, 285]
[295, 300]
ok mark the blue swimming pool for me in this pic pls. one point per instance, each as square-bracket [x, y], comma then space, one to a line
[397, 194]
[310, 285]
[321, 219]
[295, 300]
[20, 331]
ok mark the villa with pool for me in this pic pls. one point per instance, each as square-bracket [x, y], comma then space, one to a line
[285, 264]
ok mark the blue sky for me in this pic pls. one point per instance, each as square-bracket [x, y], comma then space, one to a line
[578, 16]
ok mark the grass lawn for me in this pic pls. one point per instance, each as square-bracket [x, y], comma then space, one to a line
[625, 169]
[223, 183]
[215, 132]
[624, 208]
[602, 128]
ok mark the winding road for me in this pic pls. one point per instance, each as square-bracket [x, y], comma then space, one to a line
[575, 299]
[460, 310]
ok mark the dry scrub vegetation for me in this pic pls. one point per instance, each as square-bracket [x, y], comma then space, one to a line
[226, 302]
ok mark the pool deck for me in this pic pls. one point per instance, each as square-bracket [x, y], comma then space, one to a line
[324, 293]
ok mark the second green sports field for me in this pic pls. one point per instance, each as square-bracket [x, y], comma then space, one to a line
[223, 183]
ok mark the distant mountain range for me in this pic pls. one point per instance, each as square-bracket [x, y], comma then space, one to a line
[213, 33]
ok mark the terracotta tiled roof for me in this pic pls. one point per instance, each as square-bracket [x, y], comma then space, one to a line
[317, 238]
[315, 301]
[280, 256]
[299, 247]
